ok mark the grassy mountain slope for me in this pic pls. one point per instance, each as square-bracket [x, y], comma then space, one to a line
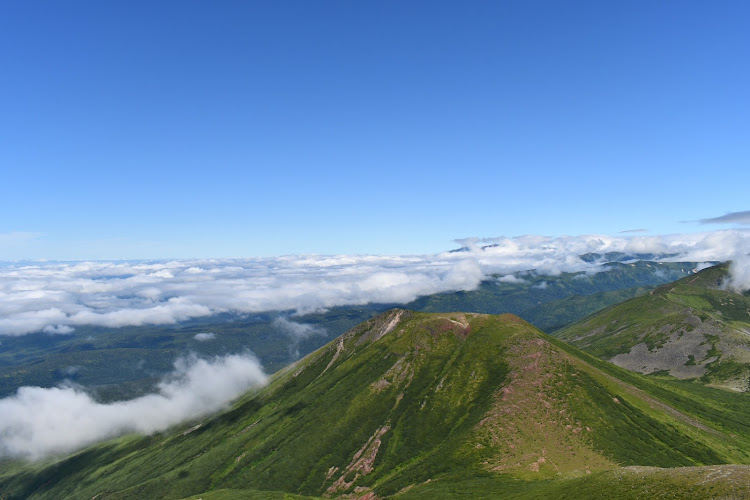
[689, 329]
[686, 483]
[414, 404]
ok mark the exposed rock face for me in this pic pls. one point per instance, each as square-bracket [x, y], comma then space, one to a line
[690, 329]
[685, 355]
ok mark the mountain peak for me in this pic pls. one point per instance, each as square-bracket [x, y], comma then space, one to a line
[398, 402]
[422, 329]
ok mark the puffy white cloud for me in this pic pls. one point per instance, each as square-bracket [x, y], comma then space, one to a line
[37, 423]
[60, 329]
[511, 278]
[739, 273]
[57, 296]
[203, 337]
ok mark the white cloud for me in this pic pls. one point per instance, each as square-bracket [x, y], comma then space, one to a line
[739, 273]
[37, 423]
[511, 278]
[58, 329]
[202, 337]
[701, 266]
[65, 295]
[297, 332]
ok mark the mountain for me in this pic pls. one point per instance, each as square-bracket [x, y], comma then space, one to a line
[144, 354]
[551, 302]
[690, 329]
[428, 406]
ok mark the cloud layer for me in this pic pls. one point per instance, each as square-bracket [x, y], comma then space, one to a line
[57, 297]
[38, 422]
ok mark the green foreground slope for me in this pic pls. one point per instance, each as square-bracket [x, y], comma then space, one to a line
[689, 329]
[415, 405]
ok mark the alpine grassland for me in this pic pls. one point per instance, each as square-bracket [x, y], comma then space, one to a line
[693, 329]
[427, 405]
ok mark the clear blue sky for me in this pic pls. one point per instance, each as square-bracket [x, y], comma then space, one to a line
[137, 129]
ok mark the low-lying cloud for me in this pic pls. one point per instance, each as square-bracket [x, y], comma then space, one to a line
[37, 422]
[59, 329]
[512, 279]
[297, 332]
[739, 273]
[58, 297]
[204, 336]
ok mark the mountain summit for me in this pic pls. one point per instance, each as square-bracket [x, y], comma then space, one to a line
[411, 404]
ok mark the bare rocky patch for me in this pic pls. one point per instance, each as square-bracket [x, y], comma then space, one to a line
[339, 348]
[379, 326]
[361, 464]
[684, 354]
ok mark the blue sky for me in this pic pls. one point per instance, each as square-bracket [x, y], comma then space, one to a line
[225, 129]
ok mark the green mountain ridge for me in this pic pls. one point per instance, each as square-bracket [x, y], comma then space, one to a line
[417, 405]
[693, 328]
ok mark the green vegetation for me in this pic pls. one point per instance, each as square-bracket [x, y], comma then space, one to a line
[690, 329]
[246, 494]
[689, 483]
[416, 405]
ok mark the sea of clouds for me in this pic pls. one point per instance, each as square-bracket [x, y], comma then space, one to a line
[58, 297]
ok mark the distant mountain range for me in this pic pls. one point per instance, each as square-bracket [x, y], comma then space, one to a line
[120, 363]
[551, 302]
